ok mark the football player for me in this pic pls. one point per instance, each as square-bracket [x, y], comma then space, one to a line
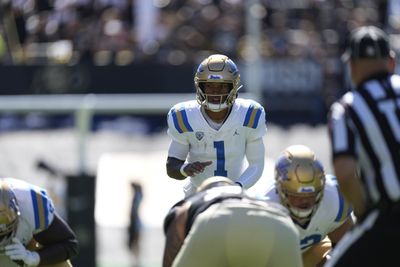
[31, 232]
[222, 225]
[314, 201]
[218, 134]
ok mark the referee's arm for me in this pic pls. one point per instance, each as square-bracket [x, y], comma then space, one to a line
[350, 185]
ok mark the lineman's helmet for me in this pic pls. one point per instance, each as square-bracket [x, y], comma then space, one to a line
[215, 181]
[300, 181]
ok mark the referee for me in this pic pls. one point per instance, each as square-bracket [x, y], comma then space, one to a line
[364, 127]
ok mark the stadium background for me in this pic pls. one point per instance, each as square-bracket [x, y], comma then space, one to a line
[288, 53]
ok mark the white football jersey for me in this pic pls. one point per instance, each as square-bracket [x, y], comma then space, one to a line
[332, 212]
[36, 213]
[225, 147]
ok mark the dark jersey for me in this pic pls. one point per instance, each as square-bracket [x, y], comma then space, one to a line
[200, 201]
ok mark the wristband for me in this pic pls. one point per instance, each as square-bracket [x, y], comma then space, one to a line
[182, 169]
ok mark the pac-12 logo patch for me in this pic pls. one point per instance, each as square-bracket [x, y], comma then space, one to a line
[199, 135]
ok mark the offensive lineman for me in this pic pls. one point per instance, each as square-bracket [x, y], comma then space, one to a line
[222, 225]
[31, 232]
[219, 134]
[314, 201]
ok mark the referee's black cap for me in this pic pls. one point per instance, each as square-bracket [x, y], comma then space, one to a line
[367, 42]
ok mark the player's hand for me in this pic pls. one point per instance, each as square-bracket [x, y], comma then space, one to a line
[196, 167]
[17, 252]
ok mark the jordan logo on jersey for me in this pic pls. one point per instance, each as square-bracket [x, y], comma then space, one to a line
[199, 135]
[235, 133]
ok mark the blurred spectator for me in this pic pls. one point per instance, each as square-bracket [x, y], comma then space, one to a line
[182, 31]
[134, 230]
[178, 32]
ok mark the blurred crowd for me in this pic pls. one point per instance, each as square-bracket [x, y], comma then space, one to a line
[123, 32]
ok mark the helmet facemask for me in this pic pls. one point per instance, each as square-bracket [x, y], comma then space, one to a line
[9, 215]
[217, 69]
[215, 102]
[300, 182]
[300, 212]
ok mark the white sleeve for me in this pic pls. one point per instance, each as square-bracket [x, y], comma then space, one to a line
[255, 152]
[178, 150]
[341, 139]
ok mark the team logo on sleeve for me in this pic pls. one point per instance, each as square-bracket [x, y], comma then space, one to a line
[199, 135]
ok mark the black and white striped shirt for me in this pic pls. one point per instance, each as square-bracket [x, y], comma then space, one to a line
[365, 123]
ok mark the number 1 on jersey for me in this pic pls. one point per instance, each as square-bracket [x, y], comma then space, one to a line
[220, 147]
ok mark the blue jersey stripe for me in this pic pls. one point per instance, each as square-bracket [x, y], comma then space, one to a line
[35, 209]
[248, 115]
[40, 203]
[256, 119]
[252, 116]
[46, 211]
[186, 121]
[181, 121]
[176, 123]
[341, 206]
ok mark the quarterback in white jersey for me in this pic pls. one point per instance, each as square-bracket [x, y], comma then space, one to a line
[31, 233]
[314, 201]
[219, 134]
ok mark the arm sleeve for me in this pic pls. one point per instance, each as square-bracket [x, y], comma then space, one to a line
[341, 135]
[255, 152]
[58, 242]
[178, 150]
